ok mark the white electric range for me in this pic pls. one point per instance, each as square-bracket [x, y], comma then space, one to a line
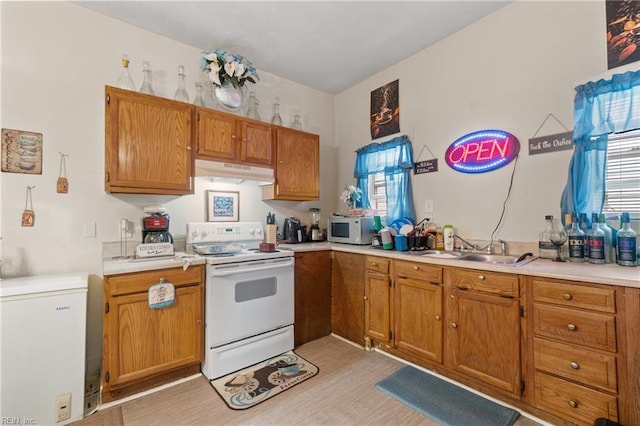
[249, 296]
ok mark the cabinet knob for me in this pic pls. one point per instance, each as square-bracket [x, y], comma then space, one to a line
[572, 327]
[280, 162]
[198, 321]
[188, 148]
[567, 296]
[374, 263]
[437, 317]
[244, 139]
[366, 298]
[481, 277]
[454, 325]
[416, 268]
[573, 404]
[575, 365]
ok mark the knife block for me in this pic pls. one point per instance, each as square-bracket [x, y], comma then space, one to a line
[270, 234]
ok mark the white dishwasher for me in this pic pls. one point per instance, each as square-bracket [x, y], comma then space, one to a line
[42, 348]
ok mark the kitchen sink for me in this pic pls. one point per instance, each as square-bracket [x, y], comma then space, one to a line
[496, 259]
[441, 254]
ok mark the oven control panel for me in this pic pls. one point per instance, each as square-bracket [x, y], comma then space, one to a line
[218, 232]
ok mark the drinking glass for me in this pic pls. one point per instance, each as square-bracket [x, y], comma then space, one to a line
[558, 237]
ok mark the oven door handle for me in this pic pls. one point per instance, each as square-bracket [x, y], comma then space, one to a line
[243, 269]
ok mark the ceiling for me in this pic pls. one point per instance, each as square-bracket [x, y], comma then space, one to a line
[326, 45]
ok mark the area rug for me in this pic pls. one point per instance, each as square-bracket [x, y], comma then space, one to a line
[253, 385]
[444, 402]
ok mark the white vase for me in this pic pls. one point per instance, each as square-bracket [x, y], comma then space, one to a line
[229, 97]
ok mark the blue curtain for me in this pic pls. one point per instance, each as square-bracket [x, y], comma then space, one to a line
[394, 158]
[600, 108]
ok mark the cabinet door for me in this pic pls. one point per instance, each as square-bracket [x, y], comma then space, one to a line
[257, 143]
[418, 318]
[312, 296]
[297, 165]
[484, 338]
[143, 342]
[347, 296]
[377, 306]
[148, 143]
[217, 135]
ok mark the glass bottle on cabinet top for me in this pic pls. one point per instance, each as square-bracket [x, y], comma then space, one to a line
[181, 92]
[146, 83]
[125, 81]
[199, 100]
[252, 111]
[276, 119]
[296, 123]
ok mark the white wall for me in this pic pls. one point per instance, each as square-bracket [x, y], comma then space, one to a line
[53, 82]
[56, 59]
[507, 71]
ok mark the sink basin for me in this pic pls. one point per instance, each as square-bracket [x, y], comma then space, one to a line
[498, 259]
[495, 259]
[440, 254]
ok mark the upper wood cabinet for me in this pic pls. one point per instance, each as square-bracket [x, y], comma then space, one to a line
[148, 144]
[297, 167]
[225, 137]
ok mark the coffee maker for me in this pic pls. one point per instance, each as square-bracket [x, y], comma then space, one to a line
[155, 226]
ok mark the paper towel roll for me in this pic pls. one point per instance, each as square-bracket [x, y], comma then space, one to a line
[270, 234]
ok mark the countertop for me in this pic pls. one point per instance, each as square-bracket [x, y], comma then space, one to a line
[599, 274]
[113, 266]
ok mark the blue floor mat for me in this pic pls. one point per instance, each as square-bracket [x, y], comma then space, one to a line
[444, 402]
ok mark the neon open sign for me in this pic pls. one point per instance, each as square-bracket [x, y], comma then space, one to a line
[482, 151]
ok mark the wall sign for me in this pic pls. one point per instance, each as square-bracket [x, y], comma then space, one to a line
[482, 151]
[427, 166]
[551, 143]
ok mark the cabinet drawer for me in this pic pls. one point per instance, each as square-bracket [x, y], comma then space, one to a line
[490, 282]
[140, 281]
[574, 402]
[580, 327]
[576, 295]
[377, 264]
[582, 365]
[418, 271]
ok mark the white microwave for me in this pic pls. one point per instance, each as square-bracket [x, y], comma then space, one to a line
[350, 230]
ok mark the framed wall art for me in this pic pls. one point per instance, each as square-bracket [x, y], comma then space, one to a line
[622, 31]
[223, 206]
[385, 110]
[21, 152]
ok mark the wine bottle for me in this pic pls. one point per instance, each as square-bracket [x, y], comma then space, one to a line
[626, 243]
[546, 249]
[595, 241]
[576, 241]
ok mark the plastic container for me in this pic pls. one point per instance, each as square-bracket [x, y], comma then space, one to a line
[385, 236]
[447, 232]
[401, 243]
[439, 239]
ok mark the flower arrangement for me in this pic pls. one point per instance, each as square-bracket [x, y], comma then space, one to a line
[223, 66]
[351, 195]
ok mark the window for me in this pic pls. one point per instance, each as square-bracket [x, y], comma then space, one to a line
[622, 180]
[378, 193]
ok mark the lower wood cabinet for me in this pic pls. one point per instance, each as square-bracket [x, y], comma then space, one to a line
[143, 345]
[377, 299]
[347, 295]
[418, 315]
[312, 296]
[575, 350]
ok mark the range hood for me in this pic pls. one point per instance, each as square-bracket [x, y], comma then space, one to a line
[237, 172]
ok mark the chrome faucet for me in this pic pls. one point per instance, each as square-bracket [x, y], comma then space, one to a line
[489, 247]
[463, 241]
